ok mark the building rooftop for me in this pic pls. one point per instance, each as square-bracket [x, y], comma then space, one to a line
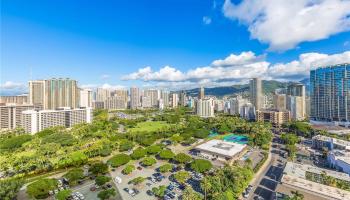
[298, 170]
[334, 140]
[294, 175]
[315, 188]
[228, 149]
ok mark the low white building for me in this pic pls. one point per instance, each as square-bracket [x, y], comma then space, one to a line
[34, 121]
[340, 160]
[220, 150]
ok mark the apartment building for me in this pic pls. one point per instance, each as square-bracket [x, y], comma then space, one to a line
[54, 93]
[276, 117]
[330, 93]
[20, 99]
[10, 115]
[205, 107]
[34, 121]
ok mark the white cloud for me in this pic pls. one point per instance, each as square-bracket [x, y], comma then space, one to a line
[105, 76]
[12, 88]
[11, 85]
[104, 86]
[236, 69]
[285, 24]
[206, 20]
[299, 69]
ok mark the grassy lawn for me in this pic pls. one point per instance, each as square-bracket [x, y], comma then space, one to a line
[149, 126]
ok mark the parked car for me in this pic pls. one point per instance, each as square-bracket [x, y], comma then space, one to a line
[118, 179]
[139, 168]
[149, 193]
[93, 188]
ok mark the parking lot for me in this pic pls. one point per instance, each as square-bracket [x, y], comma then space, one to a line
[144, 186]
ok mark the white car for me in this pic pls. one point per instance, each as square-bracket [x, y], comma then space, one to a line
[118, 180]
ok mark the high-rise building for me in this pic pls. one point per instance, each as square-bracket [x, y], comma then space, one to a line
[247, 111]
[10, 115]
[201, 93]
[85, 98]
[236, 105]
[34, 121]
[36, 92]
[102, 94]
[280, 101]
[146, 102]
[183, 98]
[20, 99]
[164, 96]
[296, 106]
[152, 94]
[205, 107]
[330, 93]
[175, 100]
[54, 93]
[135, 98]
[219, 105]
[115, 103]
[256, 96]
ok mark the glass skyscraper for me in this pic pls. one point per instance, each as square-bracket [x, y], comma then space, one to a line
[330, 93]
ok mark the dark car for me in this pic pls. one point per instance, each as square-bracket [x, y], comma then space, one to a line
[149, 192]
[136, 191]
[126, 190]
[139, 168]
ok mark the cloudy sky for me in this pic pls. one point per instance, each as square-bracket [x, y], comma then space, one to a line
[169, 44]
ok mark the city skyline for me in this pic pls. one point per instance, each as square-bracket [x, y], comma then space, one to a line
[212, 43]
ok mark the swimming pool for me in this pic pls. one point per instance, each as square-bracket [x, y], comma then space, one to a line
[212, 134]
[240, 139]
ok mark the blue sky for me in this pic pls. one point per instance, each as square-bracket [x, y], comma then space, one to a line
[113, 42]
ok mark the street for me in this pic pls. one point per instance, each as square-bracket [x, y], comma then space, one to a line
[266, 182]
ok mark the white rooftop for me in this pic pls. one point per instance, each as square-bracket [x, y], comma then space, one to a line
[334, 140]
[228, 149]
[298, 170]
[294, 175]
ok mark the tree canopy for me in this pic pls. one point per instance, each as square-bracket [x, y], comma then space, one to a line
[119, 160]
[40, 188]
[182, 158]
[148, 161]
[201, 165]
[74, 175]
[166, 154]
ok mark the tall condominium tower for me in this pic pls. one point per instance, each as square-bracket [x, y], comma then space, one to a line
[54, 93]
[201, 93]
[183, 98]
[330, 93]
[102, 94]
[85, 98]
[152, 94]
[256, 96]
[164, 96]
[135, 98]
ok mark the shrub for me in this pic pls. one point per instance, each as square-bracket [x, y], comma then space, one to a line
[128, 169]
[148, 161]
[154, 149]
[165, 168]
[182, 176]
[159, 191]
[138, 153]
[119, 160]
[166, 154]
[137, 180]
[182, 158]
